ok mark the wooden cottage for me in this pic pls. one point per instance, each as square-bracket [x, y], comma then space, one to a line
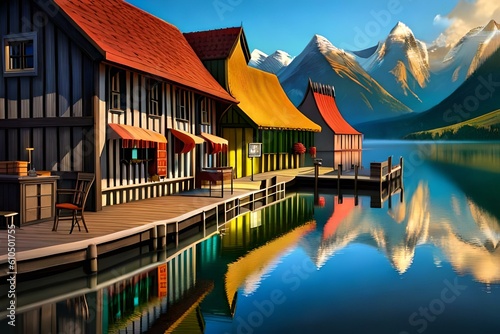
[104, 87]
[264, 113]
[338, 143]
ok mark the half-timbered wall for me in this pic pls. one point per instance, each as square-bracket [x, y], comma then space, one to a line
[123, 181]
[116, 170]
[52, 109]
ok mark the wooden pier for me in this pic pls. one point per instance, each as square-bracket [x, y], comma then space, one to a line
[160, 220]
[149, 221]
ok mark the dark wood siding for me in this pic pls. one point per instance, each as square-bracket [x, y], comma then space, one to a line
[218, 70]
[53, 110]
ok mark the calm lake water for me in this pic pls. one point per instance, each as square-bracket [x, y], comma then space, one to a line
[428, 261]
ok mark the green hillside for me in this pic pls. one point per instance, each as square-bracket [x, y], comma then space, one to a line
[485, 127]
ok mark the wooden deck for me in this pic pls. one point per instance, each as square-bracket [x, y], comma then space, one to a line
[152, 220]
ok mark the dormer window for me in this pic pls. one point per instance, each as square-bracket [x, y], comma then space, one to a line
[20, 54]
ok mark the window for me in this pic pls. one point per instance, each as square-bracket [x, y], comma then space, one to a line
[154, 98]
[204, 111]
[181, 104]
[117, 97]
[20, 54]
[114, 102]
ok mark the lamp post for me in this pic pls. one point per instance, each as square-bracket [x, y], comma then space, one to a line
[29, 149]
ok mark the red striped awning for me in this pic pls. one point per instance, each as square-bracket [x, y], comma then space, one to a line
[135, 137]
[215, 144]
[189, 140]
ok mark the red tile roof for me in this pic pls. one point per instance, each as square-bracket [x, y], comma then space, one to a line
[134, 38]
[213, 44]
[328, 109]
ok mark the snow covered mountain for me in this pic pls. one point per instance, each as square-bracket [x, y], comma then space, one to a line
[398, 75]
[471, 51]
[401, 65]
[359, 97]
[272, 63]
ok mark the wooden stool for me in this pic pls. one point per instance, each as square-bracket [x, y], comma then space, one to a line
[9, 216]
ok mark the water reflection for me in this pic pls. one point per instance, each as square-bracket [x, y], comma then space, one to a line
[156, 292]
[342, 266]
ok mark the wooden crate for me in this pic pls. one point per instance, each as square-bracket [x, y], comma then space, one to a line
[19, 168]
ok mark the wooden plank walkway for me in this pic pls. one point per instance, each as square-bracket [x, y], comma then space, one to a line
[123, 220]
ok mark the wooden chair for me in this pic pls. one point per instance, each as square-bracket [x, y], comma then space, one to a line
[76, 199]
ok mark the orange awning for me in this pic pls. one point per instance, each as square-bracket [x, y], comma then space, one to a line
[216, 144]
[133, 136]
[189, 140]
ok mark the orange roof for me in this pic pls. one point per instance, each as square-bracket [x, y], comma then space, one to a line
[213, 44]
[327, 107]
[262, 98]
[131, 37]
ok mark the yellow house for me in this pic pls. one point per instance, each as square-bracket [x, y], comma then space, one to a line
[264, 113]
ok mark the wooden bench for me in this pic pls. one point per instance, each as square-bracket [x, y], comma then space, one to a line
[217, 174]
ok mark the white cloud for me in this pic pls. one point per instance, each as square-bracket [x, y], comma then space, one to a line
[466, 15]
[442, 21]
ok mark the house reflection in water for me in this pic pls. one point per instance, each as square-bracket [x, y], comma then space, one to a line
[201, 284]
[161, 297]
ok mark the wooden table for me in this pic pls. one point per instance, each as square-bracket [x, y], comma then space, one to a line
[215, 174]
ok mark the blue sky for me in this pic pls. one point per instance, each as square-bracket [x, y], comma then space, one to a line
[352, 24]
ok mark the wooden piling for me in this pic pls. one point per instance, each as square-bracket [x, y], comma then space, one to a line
[153, 237]
[389, 166]
[162, 236]
[339, 173]
[356, 171]
[92, 258]
[203, 218]
[401, 166]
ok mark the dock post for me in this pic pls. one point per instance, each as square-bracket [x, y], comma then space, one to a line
[401, 195]
[162, 236]
[401, 165]
[389, 167]
[153, 238]
[92, 258]
[176, 234]
[317, 164]
[390, 194]
[203, 218]
[339, 172]
[356, 171]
